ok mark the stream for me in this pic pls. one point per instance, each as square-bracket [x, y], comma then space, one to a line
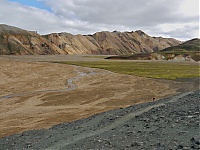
[70, 85]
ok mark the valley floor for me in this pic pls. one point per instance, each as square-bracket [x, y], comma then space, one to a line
[36, 95]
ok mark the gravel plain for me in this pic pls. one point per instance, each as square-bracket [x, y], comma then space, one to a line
[169, 123]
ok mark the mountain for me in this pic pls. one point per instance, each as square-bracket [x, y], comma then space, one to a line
[105, 42]
[21, 42]
[188, 46]
[187, 51]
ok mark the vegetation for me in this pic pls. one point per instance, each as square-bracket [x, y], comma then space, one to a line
[95, 56]
[165, 70]
[188, 49]
[191, 45]
[139, 56]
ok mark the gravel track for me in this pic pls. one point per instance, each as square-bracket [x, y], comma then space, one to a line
[169, 123]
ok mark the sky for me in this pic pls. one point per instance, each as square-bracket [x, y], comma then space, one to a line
[167, 18]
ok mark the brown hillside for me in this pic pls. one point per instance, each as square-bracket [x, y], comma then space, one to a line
[132, 42]
[17, 41]
[21, 42]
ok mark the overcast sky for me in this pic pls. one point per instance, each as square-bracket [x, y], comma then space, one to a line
[167, 18]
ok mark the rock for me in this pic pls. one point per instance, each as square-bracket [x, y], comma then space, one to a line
[126, 125]
[194, 143]
[129, 133]
[135, 144]
[180, 147]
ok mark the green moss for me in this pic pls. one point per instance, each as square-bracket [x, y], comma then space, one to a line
[95, 56]
[191, 45]
[163, 70]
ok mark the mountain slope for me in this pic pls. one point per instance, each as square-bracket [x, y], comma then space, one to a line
[110, 42]
[189, 48]
[21, 42]
[187, 51]
[132, 42]
[191, 45]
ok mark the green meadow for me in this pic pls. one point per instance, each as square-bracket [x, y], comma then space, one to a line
[163, 70]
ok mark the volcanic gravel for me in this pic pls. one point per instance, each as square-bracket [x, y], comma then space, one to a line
[169, 123]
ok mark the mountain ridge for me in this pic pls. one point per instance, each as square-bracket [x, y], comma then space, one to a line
[187, 51]
[17, 41]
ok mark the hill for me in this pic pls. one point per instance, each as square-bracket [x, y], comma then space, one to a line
[114, 43]
[189, 48]
[21, 42]
[187, 51]
[17, 41]
[192, 45]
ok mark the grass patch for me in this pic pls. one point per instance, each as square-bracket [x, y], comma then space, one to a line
[95, 56]
[163, 70]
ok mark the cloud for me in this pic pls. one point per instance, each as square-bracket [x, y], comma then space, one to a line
[156, 17]
[117, 12]
[183, 32]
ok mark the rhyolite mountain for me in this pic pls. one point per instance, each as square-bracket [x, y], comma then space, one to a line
[21, 42]
[17, 41]
[187, 51]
